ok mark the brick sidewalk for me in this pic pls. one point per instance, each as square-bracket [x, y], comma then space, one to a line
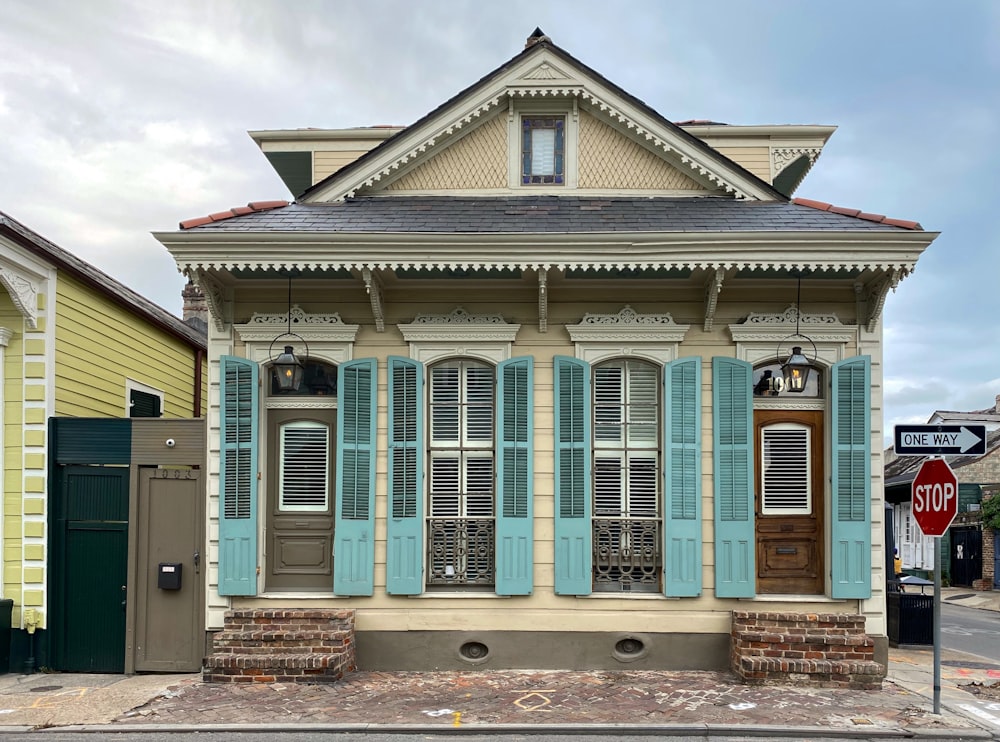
[531, 698]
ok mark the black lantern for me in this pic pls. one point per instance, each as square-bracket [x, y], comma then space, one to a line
[286, 368]
[796, 368]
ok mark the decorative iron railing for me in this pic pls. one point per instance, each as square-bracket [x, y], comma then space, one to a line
[627, 555]
[460, 551]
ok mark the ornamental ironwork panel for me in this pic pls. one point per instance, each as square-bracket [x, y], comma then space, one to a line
[460, 551]
[627, 555]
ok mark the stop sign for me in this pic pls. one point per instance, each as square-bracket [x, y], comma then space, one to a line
[935, 497]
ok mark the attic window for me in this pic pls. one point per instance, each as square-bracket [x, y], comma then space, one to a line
[543, 150]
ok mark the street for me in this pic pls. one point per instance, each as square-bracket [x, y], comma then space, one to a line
[971, 630]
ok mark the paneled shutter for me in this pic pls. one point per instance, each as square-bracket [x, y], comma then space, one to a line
[404, 547]
[851, 478]
[239, 392]
[515, 477]
[682, 468]
[354, 528]
[573, 557]
[732, 457]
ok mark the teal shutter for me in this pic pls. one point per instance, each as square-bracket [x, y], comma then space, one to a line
[239, 392]
[682, 562]
[851, 529]
[732, 459]
[573, 536]
[515, 477]
[404, 529]
[354, 528]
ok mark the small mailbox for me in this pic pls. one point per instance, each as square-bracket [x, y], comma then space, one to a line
[169, 576]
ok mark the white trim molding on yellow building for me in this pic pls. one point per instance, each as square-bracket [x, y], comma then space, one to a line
[73, 343]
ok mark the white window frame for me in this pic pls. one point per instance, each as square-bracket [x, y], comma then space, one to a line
[133, 385]
[315, 508]
[807, 509]
[567, 109]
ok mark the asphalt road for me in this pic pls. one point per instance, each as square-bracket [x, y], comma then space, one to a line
[971, 630]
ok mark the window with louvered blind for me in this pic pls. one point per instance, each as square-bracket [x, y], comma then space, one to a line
[461, 438]
[786, 483]
[626, 439]
[303, 476]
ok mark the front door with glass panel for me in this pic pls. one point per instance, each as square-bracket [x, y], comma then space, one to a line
[789, 501]
[299, 536]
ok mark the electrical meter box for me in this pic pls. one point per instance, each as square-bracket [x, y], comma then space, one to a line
[169, 576]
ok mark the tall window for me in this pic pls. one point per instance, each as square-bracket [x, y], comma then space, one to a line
[626, 476]
[542, 150]
[462, 474]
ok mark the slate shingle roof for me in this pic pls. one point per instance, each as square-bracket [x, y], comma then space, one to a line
[542, 214]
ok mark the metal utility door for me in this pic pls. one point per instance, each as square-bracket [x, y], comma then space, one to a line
[92, 532]
[168, 588]
[966, 556]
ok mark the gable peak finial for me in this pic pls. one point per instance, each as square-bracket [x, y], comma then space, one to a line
[536, 36]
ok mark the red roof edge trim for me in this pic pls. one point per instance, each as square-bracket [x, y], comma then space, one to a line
[235, 211]
[857, 214]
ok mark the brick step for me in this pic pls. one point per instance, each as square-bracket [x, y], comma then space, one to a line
[300, 660]
[225, 637]
[811, 666]
[282, 645]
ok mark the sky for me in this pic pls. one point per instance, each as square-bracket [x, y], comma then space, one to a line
[119, 118]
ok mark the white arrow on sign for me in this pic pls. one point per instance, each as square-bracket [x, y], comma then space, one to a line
[967, 439]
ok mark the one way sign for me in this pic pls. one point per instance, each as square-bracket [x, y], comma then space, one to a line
[940, 440]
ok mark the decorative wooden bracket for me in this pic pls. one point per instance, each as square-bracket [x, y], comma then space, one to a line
[373, 285]
[713, 287]
[543, 299]
[876, 293]
[215, 297]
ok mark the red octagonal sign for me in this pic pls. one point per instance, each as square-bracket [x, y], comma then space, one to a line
[935, 497]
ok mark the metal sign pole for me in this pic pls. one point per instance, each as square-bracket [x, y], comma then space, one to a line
[937, 624]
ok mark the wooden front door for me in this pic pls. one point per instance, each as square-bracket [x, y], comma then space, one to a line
[789, 501]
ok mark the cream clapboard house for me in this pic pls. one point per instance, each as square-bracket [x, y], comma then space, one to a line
[528, 434]
[76, 344]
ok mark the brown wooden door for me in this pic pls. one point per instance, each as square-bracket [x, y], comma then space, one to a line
[169, 629]
[789, 501]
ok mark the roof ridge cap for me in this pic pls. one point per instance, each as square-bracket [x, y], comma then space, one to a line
[235, 211]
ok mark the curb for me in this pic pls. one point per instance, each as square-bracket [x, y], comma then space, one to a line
[602, 730]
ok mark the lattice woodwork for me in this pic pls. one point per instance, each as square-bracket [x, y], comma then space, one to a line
[476, 161]
[609, 160]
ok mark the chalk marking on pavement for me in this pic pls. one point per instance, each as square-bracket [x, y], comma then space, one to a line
[457, 718]
[745, 706]
[44, 702]
[981, 713]
[545, 700]
[439, 712]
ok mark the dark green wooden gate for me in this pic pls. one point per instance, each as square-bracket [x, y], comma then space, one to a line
[92, 525]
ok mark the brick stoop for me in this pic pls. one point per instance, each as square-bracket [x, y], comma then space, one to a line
[824, 649]
[282, 645]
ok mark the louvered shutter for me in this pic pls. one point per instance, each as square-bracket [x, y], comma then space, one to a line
[851, 528]
[732, 457]
[515, 477]
[682, 475]
[239, 413]
[404, 547]
[573, 557]
[354, 529]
